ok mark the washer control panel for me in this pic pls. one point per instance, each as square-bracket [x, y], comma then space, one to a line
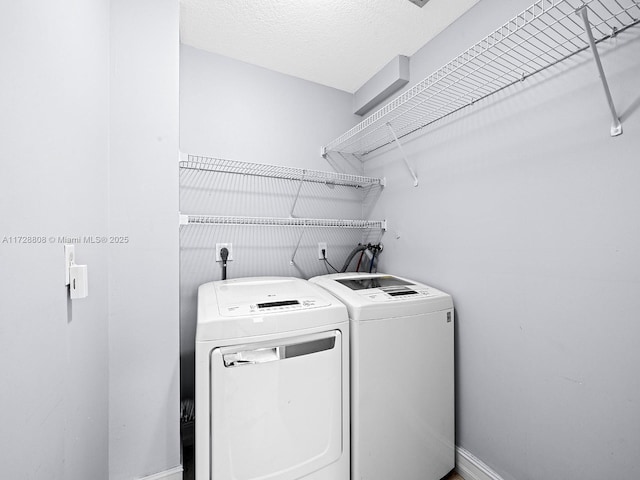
[387, 294]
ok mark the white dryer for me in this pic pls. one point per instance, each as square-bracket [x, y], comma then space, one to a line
[402, 377]
[272, 381]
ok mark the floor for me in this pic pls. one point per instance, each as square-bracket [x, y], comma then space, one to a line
[454, 476]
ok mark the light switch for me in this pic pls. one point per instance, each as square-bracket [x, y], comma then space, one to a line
[78, 281]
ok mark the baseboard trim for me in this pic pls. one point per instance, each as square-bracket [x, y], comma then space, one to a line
[174, 473]
[471, 467]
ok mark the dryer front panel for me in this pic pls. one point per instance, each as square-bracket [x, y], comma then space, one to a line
[276, 408]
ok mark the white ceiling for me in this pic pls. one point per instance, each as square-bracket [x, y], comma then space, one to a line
[338, 43]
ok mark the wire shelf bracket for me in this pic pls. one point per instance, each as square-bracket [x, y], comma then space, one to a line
[404, 155]
[295, 250]
[295, 200]
[616, 126]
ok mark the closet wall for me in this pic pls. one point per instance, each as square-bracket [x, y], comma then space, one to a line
[89, 101]
[527, 213]
[144, 405]
[54, 183]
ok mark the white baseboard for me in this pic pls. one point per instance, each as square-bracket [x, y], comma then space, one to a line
[472, 468]
[174, 473]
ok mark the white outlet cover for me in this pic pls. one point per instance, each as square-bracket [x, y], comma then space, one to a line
[322, 246]
[220, 246]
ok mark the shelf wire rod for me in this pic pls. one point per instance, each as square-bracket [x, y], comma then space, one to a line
[414, 91]
[627, 11]
[273, 171]
[528, 52]
[556, 27]
[295, 251]
[404, 156]
[612, 17]
[280, 222]
[429, 97]
[295, 200]
[555, 59]
[616, 126]
[603, 20]
[495, 81]
[574, 34]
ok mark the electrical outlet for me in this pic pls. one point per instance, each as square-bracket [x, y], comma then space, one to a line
[322, 246]
[220, 246]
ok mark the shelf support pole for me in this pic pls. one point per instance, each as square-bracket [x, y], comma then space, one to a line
[616, 126]
[404, 155]
[293, 256]
[295, 200]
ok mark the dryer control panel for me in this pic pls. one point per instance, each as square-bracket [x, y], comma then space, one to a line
[275, 306]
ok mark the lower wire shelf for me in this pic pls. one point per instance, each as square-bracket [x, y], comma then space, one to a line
[281, 222]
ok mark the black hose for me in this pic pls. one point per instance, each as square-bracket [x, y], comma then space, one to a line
[359, 248]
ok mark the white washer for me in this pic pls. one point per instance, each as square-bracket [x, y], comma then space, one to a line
[272, 381]
[402, 377]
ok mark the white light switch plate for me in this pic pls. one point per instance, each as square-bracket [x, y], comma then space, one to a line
[69, 258]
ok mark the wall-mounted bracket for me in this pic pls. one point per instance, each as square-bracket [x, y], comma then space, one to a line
[295, 200]
[616, 126]
[293, 256]
[404, 156]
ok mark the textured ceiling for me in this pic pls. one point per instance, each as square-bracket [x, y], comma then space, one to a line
[338, 43]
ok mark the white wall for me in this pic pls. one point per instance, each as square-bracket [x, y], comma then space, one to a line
[54, 150]
[143, 202]
[233, 110]
[528, 216]
[89, 147]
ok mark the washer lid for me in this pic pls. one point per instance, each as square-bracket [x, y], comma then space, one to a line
[378, 295]
[262, 305]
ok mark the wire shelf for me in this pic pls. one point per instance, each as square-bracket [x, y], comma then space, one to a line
[281, 222]
[209, 164]
[544, 34]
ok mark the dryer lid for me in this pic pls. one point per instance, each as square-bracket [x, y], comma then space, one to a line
[372, 296]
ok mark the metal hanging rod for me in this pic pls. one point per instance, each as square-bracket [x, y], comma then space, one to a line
[209, 164]
[544, 34]
[281, 222]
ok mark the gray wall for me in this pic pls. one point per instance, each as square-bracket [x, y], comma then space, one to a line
[233, 110]
[529, 217]
[89, 147]
[54, 149]
[143, 202]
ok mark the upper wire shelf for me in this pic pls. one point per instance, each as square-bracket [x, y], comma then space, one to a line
[209, 164]
[544, 34]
